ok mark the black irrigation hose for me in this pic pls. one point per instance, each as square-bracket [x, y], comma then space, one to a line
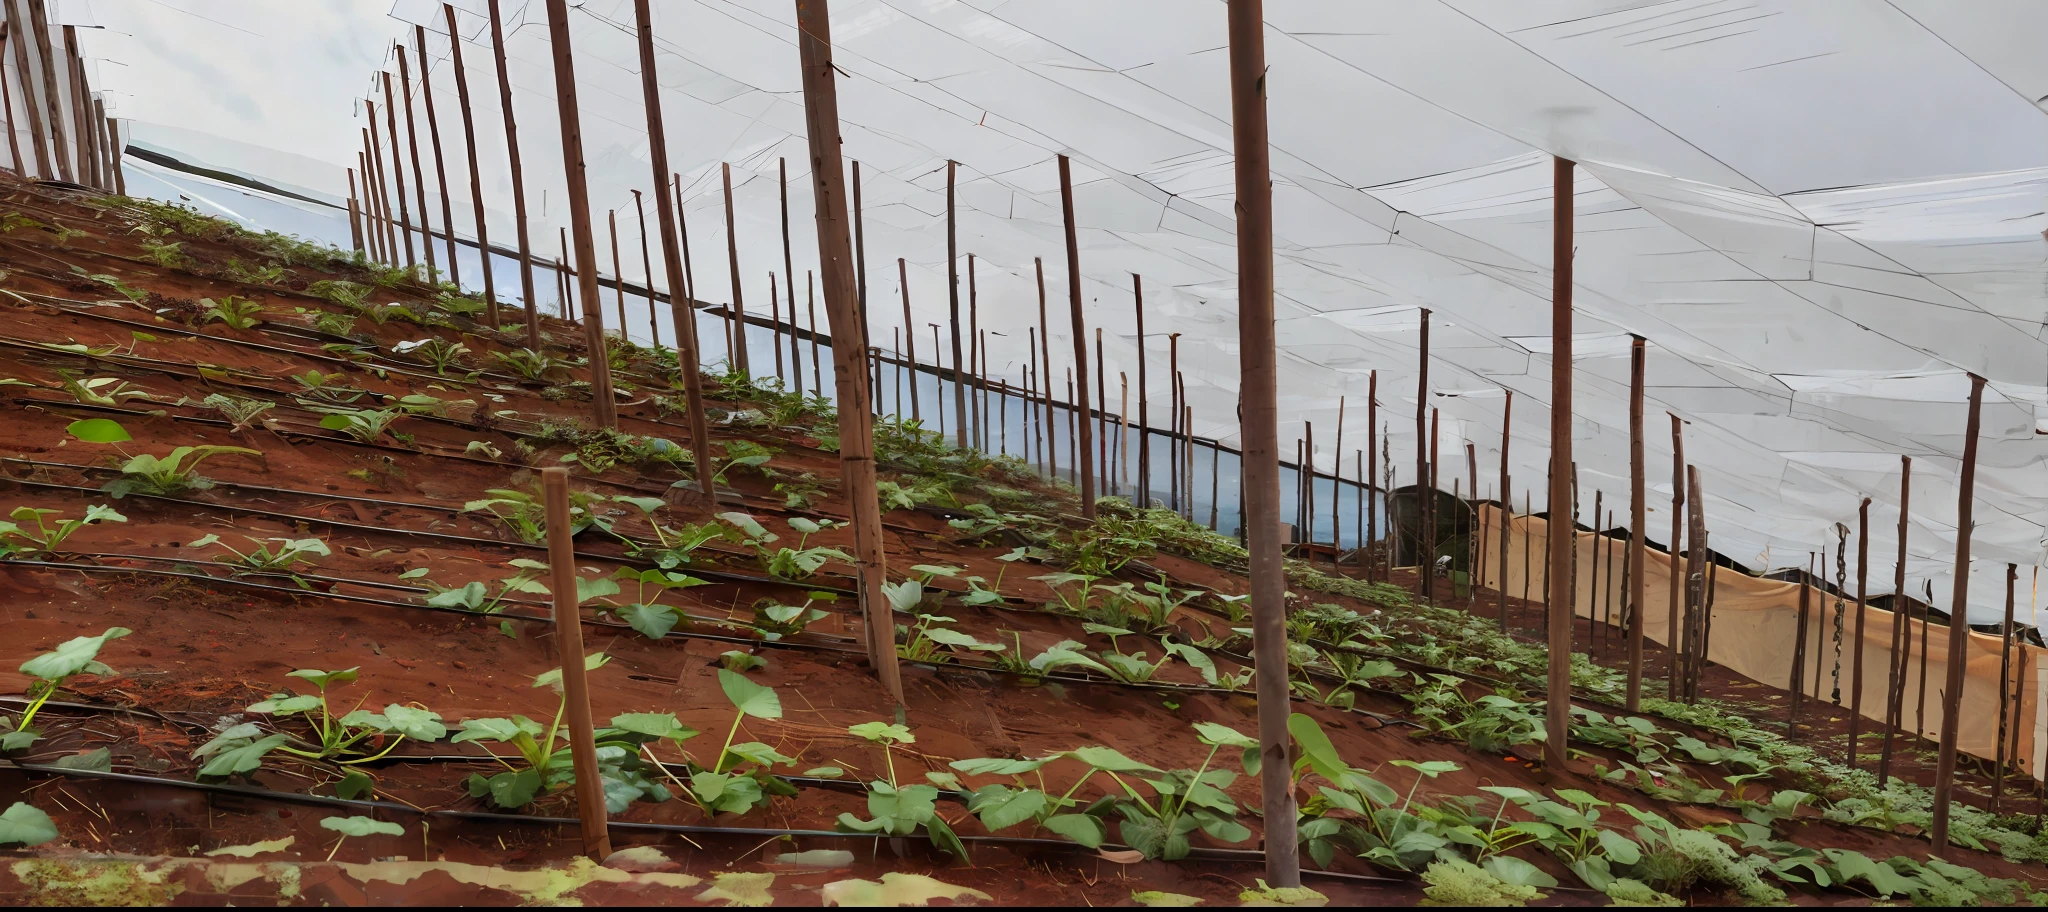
[1197, 853]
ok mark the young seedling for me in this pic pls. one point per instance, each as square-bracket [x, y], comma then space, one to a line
[365, 425]
[775, 620]
[102, 391]
[333, 388]
[742, 454]
[357, 826]
[287, 554]
[793, 564]
[167, 476]
[896, 808]
[527, 518]
[45, 538]
[79, 655]
[544, 764]
[337, 737]
[241, 411]
[644, 614]
[530, 365]
[926, 641]
[672, 547]
[232, 311]
[476, 595]
[440, 353]
[724, 787]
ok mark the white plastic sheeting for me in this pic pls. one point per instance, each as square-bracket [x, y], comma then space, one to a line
[1820, 214]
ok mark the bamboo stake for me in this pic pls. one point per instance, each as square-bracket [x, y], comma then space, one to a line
[1259, 388]
[38, 135]
[398, 171]
[114, 137]
[1426, 559]
[1474, 529]
[909, 343]
[104, 127]
[1105, 474]
[1958, 630]
[1696, 577]
[1593, 624]
[736, 344]
[842, 312]
[1173, 435]
[1560, 640]
[675, 252]
[383, 188]
[434, 140]
[938, 375]
[518, 182]
[1123, 433]
[1528, 542]
[860, 259]
[1078, 327]
[974, 418]
[597, 842]
[7, 36]
[371, 222]
[476, 185]
[579, 215]
[1798, 686]
[811, 307]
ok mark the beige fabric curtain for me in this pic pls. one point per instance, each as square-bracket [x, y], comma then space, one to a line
[1755, 628]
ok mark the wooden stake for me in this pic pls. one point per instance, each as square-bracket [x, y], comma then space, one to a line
[355, 223]
[1372, 473]
[398, 171]
[674, 252]
[1084, 443]
[811, 308]
[1174, 429]
[1123, 435]
[909, 342]
[1259, 388]
[1560, 537]
[419, 33]
[372, 223]
[646, 273]
[1043, 369]
[579, 216]
[842, 311]
[391, 220]
[1105, 473]
[1144, 397]
[518, 182]
[476, 181]
[1673, 638]
[953, 302]
[597, 841]
[737, 344]
[114, 137]
[81, 135]
[1799, 651]
[1638, 524]
[1958, 630]
[1862, 609]
[974, 418]
[2012, 573]
[618, 275]
[775, 322]
[1425, 501]
[1473, 527]
[1593, 624]
[860, 260]
[39, 28]
[1696, 579]
[39, 136]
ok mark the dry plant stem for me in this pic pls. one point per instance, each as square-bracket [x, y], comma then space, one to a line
[1259, 379]
[1959, 629]
[518, 182]
[590, 809]
[842, 310]
[606, 407]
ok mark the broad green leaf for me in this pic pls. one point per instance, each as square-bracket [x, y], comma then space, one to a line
[25, 824]
[354, 784]
[495, 730]
[415, 723]
[1164, 899]
[1107, 760]
[1196, 659]
[654, 725]
[1510, 869]
[804, 525]
[1316, 748]
[588, 589]
[1223, 735]
[326, 679]
[905, 595]
[997, 766]
[883, 733]
[361, 826]
[98, 430]
[1435, 768]
[470, 595]
[553, 676]
[287, 704]
[1081, 828]
[246, 758]
[652, 621]
[757, 700]
[75, 655]
[1001, 807]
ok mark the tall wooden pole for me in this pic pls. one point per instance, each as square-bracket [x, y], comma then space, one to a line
[860, 260]
[1424, 500]
[1799, 651]
[39, 28]
[1902, 634]
[1561, 550]
[1372, 472]
[1261, 428]
[1336, 487]
[1507, 501]
[647, 272]
[1043, 369]
[775, 323]
[1672, 637]
[1085, 443]
[391, 220]
[974, 418]
[909, 342]
[1862, 606]
[669, 214]
[114, 141]
[39, 137]
[737, 345]
[2012, 572]
[372, 211]
[518, 182]
[81, 132]
[842, 309]
[953, 302]
[1638, 524]
[1958, 629]
[1105, 473]
[579, 217]
[476, 180]
[398, 172]
[1173, 433]
[796, 356]
[1594, 623]
[355, 223]
[811, 309]
[1144, 398]
[419, 35]
[611, 218]
[590, 811]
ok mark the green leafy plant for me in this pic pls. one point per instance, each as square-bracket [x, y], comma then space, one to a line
[102, 391]
[231, 311]
[26, 825]
[336, 291]
[168, 254]
[742, 454]
[358, 827]
[644, 613]
[240, 411]
[78, 655]
[541, 764]
[365, 425]
[165, 476]
[532, 366]
[17, 538]
[261, 274]
[437, 352]
[895, 808]
[527, 517]
[741, 779]
[332, 388]
[478, 596]
[283, 557]
[334, 324]
[340, 739]
[775, 620]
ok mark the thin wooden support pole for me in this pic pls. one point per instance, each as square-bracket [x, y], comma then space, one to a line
[1426, 560]
[1144, 397]
[114, 138]
[1560, 538]
[1638, 523]
[1920, 689]
[953, 302]
[1862, 609]
[775, 322]
[590, 810]
[618, 275]
[1123, 436]
[1474, 529]
[607, 413]
[476, 180]
[1528, 542]
[1105, 473]
[11, 36]
[518, 182]
[1424, 500]
[1593, 624]
[909, 344]
[1173, 435]
[1673, 637]
[860, 259]
[1260, 422]
[647, 272]
[974, 417]
[1958, 630]
[38, 133]
[811, 309]
[2012, 574]
[398, 171]
[737, 345]
[1373, 491]
[39, 28]
[1078, 327]
[419, 34]
[355, 222]
[1798, 684]
[939, 380]
[81, 134]
[371, 223]
[675, 252]
[1696, 577]
[796, 356]
[391, 226]
[842, 312]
